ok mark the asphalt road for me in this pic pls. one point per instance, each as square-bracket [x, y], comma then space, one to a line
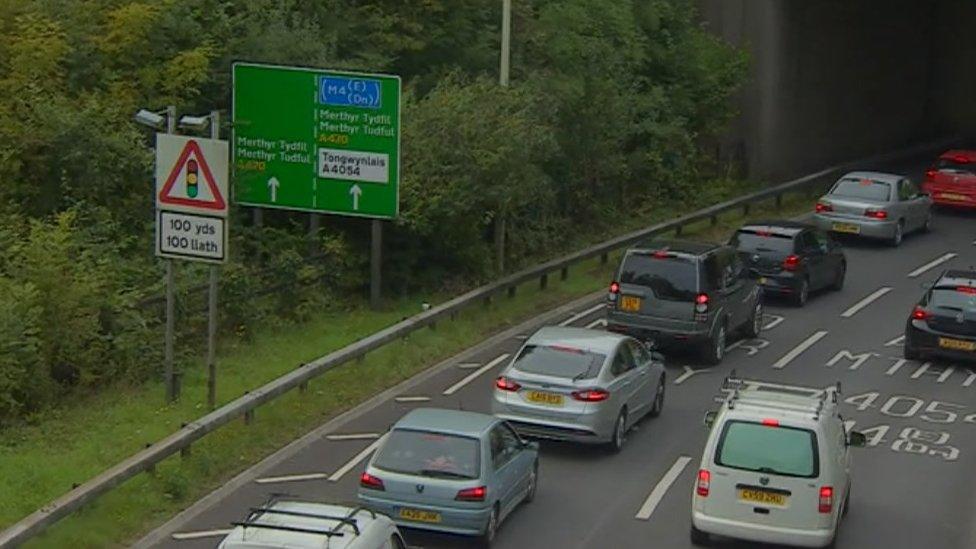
[912, 486]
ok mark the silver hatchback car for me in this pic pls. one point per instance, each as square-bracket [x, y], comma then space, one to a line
[875, 205]
[580, 385]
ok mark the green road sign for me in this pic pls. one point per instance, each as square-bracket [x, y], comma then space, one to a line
[322, 141]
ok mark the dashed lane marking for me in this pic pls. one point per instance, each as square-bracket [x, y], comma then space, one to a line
[181, 536]
[934, 263]
[412, 399]
[335, 477]
[855, 308]
[469, 365]
[354, 436]
[895, 342]
[580, 315]
[473, 375]
[799, 349]
[657, 494]
[292, 478]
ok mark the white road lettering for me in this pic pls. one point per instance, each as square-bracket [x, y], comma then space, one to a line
[943, 373]
[934, 263]
[870, 298]
[751, 346]
[688, 373]
[657, 494]
[354, 436]
[799, 349]
[580, 315]
[182, 536]
[897, 366]
[473, 375]
[336, 476]
[895, 342]
[773, 321]
[597, 322]
[847, 355]
[292, 478]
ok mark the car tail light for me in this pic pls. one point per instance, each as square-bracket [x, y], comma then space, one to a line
[505, 384]
[704, 482]
[823, 207]
[614, 288]
[930, 174]
[920, 314]
[791, 263]
[661, 254]
[960, 159]
[701, 303]
[876, 214]
[770, 422]
[826, 499]
[971, 290]
[591, 395]
[472, 494]
[369, 481]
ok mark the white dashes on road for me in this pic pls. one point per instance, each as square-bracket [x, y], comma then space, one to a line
[469, 365]
[473, 375]
[292, 478]
[657, 494]
[181, 536]
[598, 322]
[412, 399]
[855, 308]
[772, 321]
[799, 349]
[354, 436]
[578, 316]
[688, 373]
[354, 461]
[934, 263]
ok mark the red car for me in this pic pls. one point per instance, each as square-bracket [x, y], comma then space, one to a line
[952, 180]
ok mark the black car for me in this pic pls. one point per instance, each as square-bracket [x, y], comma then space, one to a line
[682, 292]
[791, 258]
[944, 321]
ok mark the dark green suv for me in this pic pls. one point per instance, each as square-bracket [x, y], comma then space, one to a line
[673, 291]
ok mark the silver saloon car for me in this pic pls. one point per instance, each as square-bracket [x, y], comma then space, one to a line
[580, 385]
[874, 205]
[450, 471]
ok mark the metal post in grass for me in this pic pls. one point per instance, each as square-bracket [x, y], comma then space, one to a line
[172, 390]
[212, 303]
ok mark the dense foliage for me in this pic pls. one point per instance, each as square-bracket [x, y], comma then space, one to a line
[608, 103]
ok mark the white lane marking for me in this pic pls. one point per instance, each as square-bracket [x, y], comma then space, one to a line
[354, 436]
[597, 322]
[969, 380]
[657, 494]
[776, 320]
[580, 315]
[522, 337]
[894, 342]
[412, 399]
[469, 365]
[354, 461]
[470, 377]
[688, 373]
[751, 346]
[865, 302]
[897, 366]
[292, 478]
[799, 349]
[200, 534]
[934, 263]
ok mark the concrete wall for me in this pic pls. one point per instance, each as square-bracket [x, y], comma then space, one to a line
[838, 79]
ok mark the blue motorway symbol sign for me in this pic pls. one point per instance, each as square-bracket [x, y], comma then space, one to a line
[349, 92]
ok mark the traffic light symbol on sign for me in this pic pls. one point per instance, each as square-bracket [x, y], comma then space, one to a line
[191, 179]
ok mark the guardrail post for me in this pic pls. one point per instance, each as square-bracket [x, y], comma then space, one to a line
[713, 220]
[543, 281]
[487, 300]
[432, 325]
[745, 209]
[185, 452]
[511, 291]
[564, 273]
[249, 417]
[677, 230]
[604, 258]
[454, 316]
[151, 469]
[303, 387]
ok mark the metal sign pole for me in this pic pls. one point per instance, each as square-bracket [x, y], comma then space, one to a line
[172, 391]
[212, 308]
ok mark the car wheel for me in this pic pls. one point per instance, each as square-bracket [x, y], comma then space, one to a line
[491, 528]
[715, 348]
[755, 323]
[658, 405]
[699, 538]
[928, 222]
[910, 352]
[847, 502]
[838, 284]
[619, 430]
[802, 293]
[899, 234]
[533, 483]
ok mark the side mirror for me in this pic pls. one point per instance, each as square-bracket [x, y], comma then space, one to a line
[709, 419]
[856, 439]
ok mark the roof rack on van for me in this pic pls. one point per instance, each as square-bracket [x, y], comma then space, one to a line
[733, 386]
[268, 509]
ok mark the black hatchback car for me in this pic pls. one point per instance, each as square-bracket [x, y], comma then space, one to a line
[682, 292]
[791, 258]
[943, 322]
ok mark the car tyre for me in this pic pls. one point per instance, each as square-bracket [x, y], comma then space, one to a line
[755, 323]
[910, 352]
[899, 234]
[847, 503]
[619, 430]
[928, 222]
[658, 404]
[699, 538]
[802, 293]
[533, 483]
[715, 348]
[488, 536]
[838, 284]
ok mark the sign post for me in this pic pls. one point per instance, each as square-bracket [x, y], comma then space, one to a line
[317, 141]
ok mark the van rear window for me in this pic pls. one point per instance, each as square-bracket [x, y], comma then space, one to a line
[670, 278]
[786, 451]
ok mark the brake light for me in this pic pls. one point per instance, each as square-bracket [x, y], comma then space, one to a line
[930, 174]
[826, 499]
[920, 314]
[771, 422]
[614, 288]
[791, 263]
[472, 494]
[821, 207]
[701, 303]
[971, 290]
[660, 254]
[704, 482]
[591, 395]
[876, 214]
[369, 481]
[960, 159]
[505, 384]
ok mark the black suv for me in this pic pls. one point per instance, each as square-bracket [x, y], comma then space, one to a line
[676, 291]
[944, 321]
[791, 258]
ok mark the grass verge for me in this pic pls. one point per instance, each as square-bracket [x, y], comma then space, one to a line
[42, 461]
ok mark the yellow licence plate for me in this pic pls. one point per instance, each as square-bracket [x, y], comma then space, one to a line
[544, 398]
[953, 196]
[850, 228]
[762, 280]
[762, 496]
[420, 516]
[957, 344]
[630, 303]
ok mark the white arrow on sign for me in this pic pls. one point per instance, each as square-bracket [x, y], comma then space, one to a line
[355, 191]
[273, 185]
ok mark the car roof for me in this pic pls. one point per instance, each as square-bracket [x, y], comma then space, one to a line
[329, 518]
[874, 176]
[957, 278]
[689, 247]
[441, 420]
[778, 226]
[597, 341]
[959, 153]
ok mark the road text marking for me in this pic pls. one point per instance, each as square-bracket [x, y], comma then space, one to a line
[688, 373]
[799, 349]
[657, 494]
[292, 478]
[597, 322]
[354, 461]
[935, 262]
[774, 322]
[865, 302]
[200, 534]
[580, 315]
[470, 377]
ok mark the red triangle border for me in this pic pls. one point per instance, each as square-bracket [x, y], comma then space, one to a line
[217, 204]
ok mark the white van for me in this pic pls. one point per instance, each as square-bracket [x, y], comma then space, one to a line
[295, 524]
[776, 466]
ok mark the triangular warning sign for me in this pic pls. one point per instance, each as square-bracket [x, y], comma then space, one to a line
[184, 186]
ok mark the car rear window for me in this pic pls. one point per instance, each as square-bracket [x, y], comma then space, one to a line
[750, 446]
[952, 298]
[670, 278]
[425, 453]
[749, 240]
[954, 166]
[559, 361]
[867, 189]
